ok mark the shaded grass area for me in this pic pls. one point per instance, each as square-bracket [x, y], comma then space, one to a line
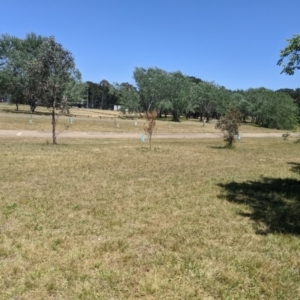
[295, 167]
[42, 110]
[274, 202]
[109, 219]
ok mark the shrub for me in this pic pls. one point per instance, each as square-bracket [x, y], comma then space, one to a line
[229, 125]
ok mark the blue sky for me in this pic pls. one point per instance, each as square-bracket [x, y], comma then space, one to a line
[235, 43]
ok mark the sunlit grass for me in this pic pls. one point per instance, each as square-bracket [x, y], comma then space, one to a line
[94, 120]
[110, 219]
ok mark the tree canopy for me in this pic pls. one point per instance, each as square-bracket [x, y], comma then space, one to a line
[292, 53]
[37, 69]
[51, 72]
[15, 54]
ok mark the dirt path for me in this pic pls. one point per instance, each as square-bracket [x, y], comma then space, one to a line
[128, 135]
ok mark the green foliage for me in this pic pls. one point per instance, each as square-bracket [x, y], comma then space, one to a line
[103, 95]
[172, 92]
[295, 94]
[223, 100]
[282, 112]
[75, 89]
[104, 87]
[50, 72]
[162, 90]
[229, 125]
[37, 69]
[151, 86]
[15, 53]
[176, 87]
[292, 53]
[93, 96]
[129, 98]
[271, 109]
[204, 98]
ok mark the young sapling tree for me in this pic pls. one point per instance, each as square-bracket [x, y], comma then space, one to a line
[150, 117]
[229, 125]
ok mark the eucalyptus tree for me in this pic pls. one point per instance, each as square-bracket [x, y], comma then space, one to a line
[288, 91]
[128, 97]
[151, 86]
[162, 90]
[104, 87]
[74, 92]
[15, 54]
[256, 98]
[93, 95]
[292, 53]
[223, 100]
[10, 68]
[205, 96]
[176, 86]
[296, 97]
[194, 79]
[282, 112]
[271, 109]
[189, 96]
[50, 72]
[238, 100]
[295, 94]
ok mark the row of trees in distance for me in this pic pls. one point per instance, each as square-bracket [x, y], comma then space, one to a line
[176, 94]
[38, 70]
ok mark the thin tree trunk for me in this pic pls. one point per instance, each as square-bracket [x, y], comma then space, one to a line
[102, 100]
[54, 120]
[175, 116]
[53, 125]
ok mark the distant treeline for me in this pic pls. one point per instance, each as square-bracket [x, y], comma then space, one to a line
[31, 74]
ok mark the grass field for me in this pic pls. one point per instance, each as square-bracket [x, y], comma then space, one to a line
[93, 120]
[109, 219]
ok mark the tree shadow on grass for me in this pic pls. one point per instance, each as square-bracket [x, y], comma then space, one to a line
[218, 147]
[295, 167]
[26, 112]
[224, 147]
[274, 203]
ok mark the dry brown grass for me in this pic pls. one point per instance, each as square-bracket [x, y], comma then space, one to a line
[109, 219]
[93, 120]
